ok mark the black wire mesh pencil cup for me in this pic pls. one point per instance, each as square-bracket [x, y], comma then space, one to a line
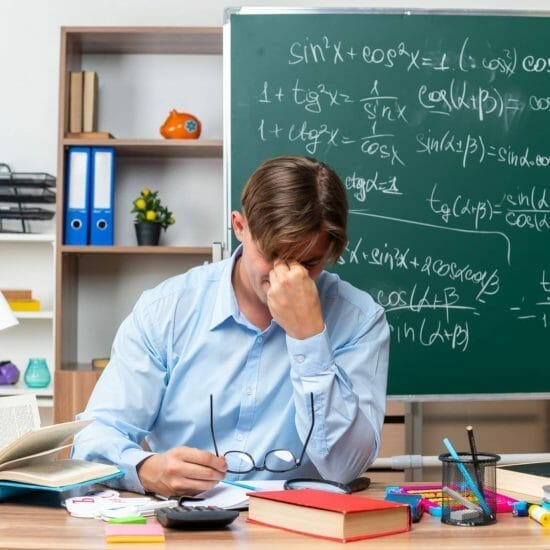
[469, 489]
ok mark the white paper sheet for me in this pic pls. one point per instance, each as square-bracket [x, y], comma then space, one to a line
[231, 497]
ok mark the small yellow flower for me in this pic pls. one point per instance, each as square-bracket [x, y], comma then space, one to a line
[150, 215]
[145, 192]
[171, 220]
[140, 204]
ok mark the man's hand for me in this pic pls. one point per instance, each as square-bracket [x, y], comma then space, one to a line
[181, 471]
[293, 300]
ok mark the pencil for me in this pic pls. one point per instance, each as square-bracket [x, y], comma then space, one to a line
[467, 477]
[473, 450]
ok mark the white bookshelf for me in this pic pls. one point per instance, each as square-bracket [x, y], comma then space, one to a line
[28, 261]
[33, 314]
[44, 396]
[27, 238]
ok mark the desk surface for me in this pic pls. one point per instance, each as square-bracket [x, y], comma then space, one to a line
[43, 527]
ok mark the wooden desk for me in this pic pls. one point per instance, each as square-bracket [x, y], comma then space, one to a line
[42, 527]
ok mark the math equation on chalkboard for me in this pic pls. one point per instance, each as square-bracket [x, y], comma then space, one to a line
[438, 125]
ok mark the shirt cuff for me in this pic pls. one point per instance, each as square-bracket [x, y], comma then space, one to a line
[130, 459]
[310, 356]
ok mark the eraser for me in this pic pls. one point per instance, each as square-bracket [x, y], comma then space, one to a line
[128, 519]
[464, 515]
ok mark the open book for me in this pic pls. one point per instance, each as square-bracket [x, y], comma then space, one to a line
[527, 479]
[27, 451]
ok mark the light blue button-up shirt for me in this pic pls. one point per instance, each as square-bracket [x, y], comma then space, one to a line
[187, 339]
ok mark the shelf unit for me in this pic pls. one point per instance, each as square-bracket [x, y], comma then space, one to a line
[44, 397]
[190, 250]
[175, 148]
[143, 73]
[34, 314]
[28, 262]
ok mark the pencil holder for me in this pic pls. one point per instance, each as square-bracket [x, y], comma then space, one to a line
[469, 489]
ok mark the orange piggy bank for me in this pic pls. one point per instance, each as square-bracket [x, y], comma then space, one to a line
[181, 126]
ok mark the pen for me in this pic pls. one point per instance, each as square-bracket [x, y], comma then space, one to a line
[467, 477]
[239, 484]
[473, 450]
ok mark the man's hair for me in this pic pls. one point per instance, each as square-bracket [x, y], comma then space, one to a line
[290, 199]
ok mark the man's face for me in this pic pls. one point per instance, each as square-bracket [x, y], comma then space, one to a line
[255, 268]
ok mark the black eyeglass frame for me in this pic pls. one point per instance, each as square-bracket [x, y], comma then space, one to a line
[297, 461]
[355, 485]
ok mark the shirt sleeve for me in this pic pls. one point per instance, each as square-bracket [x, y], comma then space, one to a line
[349, 388]
[125, 401]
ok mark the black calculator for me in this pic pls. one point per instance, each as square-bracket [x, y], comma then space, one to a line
[195, 517]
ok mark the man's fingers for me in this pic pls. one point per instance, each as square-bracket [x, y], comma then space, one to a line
[193, 471]
[201, 458]
[189, 470]
[280, 263]
[182, 470]
[285, 269]
[180, 485]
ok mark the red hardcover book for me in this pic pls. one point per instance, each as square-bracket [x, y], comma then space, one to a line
[328, 515]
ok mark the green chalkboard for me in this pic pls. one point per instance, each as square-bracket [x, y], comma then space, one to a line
[439, 125]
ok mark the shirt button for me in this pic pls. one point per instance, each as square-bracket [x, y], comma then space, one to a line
[300, 358]
[239, 437]
[260, 339]
[248, 390]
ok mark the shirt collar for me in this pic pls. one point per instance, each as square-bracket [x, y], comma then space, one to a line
[225, 305]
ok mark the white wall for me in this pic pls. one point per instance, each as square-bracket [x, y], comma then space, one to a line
[29, 54]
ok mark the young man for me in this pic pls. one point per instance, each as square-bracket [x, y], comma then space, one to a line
[263, 351]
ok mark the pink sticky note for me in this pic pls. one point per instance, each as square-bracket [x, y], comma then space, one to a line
[148, 532]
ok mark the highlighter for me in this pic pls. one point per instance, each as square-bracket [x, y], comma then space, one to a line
[539, 514]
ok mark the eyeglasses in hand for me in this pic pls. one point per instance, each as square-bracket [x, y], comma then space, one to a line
[277, 460]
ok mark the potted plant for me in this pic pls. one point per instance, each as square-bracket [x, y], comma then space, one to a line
[150, 217]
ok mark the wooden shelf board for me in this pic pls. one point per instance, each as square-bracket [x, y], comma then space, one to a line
[168, 148]
[182, 250]
[77, 368]
[146, 40]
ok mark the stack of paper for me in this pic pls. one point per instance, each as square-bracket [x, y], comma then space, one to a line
[235, 497]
